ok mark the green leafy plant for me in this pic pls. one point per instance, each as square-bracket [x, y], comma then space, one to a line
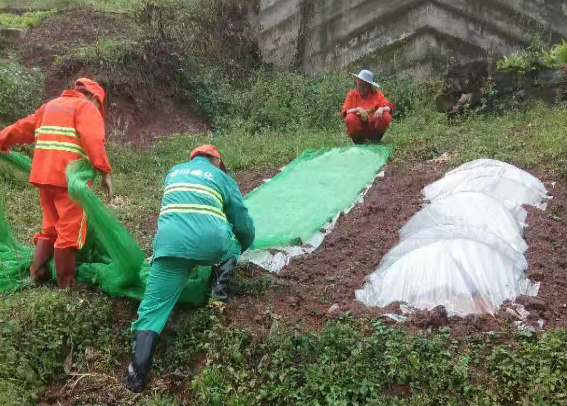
[560, 53]
[536, 57]
[25, 20]
[514, 62]
[20, 90]
[37, 337]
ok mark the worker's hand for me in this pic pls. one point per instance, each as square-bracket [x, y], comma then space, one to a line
[107, 186]
[363, 115]
[380, 112]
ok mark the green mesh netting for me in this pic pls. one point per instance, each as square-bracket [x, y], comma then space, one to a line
[288, 210]
[111, 257]
[310, 191]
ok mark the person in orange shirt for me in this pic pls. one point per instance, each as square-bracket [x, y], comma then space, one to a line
[366, 110]
[63, 130]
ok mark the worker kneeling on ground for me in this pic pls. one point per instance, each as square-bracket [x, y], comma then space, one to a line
[366, 111]
[65, 129]
[203, 221]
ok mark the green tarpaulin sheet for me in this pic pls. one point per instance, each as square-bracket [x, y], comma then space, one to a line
[289, 209]
[311, 191]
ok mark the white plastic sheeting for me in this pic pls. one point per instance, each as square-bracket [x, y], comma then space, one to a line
[512, 186]
[472, 209]
[464, 250]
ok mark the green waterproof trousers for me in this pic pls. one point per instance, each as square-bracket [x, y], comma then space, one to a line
[166, 281]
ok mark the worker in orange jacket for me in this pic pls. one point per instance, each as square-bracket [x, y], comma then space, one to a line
[65, 129]
[366, 110]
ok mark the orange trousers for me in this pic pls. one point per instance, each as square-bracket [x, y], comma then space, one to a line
[372, 130]
[64, 222]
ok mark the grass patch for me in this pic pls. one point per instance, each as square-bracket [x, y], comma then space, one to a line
[528, 136]
[112, 6]
[25, 20]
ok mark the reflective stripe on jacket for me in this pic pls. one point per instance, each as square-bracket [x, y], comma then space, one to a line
[63, 130]
[202, 211]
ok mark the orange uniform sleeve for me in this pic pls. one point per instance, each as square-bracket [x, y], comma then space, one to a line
[21, 132]
[383, 102]
[90, 127]
[348, 104]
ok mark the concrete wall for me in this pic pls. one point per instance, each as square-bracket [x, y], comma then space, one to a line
[321, 35]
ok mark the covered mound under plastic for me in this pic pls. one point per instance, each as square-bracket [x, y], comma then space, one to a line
[463, 251]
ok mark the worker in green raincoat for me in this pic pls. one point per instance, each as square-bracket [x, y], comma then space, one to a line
[203, 221]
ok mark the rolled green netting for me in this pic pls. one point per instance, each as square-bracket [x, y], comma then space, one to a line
[21, 162]
[111, 257]
[15, 258]
[112, 237]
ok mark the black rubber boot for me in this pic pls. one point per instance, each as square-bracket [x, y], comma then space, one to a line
[221, 277]
[139, 368]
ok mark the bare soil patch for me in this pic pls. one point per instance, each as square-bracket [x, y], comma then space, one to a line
[319, 287]
[131, 116]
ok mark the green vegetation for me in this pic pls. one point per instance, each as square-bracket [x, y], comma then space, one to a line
[97, 5]
[528, 136]
[37, 339]
[360, 362]
[20, 90]
[535, 58]
[25, 20]
[349, 362]
[287, 101]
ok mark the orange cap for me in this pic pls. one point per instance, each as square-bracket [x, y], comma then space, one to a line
[208, 150]
[94, 88]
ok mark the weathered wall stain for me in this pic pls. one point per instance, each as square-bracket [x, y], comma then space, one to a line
[321, 35]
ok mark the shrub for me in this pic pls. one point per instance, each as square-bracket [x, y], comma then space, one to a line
[218, 33]
[14, 395]
[26, 20]
[559, 53]
[288, 101]
[20, 90]
[185, 49]
[535, 58]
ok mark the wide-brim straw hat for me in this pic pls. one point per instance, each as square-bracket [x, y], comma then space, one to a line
[367, 76]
